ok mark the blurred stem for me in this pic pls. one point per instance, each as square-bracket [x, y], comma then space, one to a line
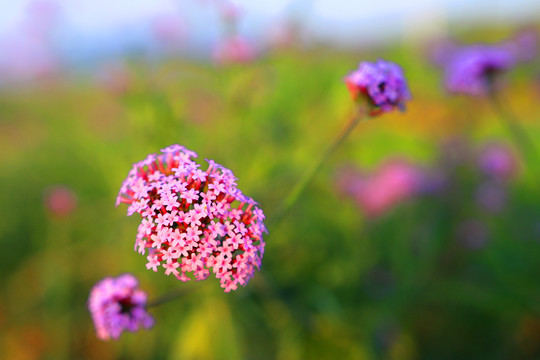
[523, 141]
[173, 295]
[302, 184]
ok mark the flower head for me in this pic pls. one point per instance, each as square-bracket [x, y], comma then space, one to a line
[194, 221]
[117, 304]
[476, 69]
[381, 85]
[498, 161]
[234, 50]
[60, 200]
[392, 183]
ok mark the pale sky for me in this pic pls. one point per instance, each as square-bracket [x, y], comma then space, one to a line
[89, 27]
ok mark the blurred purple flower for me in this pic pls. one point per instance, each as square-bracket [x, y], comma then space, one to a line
[117, 304]
[476, 70]
[194, 221]
[524, 45]
[498, 160]
[381, 85]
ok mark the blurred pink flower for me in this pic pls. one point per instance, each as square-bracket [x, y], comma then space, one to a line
[392, 182]
[60, 200]
[234, 50]
[28, 53]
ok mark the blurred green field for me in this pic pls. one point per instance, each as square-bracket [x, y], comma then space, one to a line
[334, 284]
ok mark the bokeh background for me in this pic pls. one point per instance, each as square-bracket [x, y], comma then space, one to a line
[405, 246]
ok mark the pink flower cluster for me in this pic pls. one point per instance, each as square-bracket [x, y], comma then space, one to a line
[376, 193]
[194, 221]
[117, 304]
[234, 50]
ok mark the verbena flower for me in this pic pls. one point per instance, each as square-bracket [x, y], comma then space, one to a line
[391, 183]
[498, 161]
[476, 69]
[381, 85]
[524, 45]
[194, 221]
[234, 50]
[60, 200]
[117, 304]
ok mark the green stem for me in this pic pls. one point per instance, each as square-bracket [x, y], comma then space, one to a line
[166, 298]
[289, 201]
[523, 141]
[302, 184]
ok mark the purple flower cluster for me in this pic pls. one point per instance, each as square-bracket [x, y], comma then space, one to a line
[194, 221]
[117, 304]
[498, 161]
[475, 70]
[381, 84]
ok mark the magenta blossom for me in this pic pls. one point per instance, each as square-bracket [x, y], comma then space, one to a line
[194, 221]
[381, 85]
[498, 160]
[117, 304]
[393, 182]
[60, 200]
[476, 69]
[234, 50]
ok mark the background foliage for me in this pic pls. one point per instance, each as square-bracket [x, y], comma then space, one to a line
[334, 283]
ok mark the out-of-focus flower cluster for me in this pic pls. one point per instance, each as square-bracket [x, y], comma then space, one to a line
[477, 69]
[194, 221]
[117, 304]
[60, 200]
[381, 85]
[396, 180]
[234, 50]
